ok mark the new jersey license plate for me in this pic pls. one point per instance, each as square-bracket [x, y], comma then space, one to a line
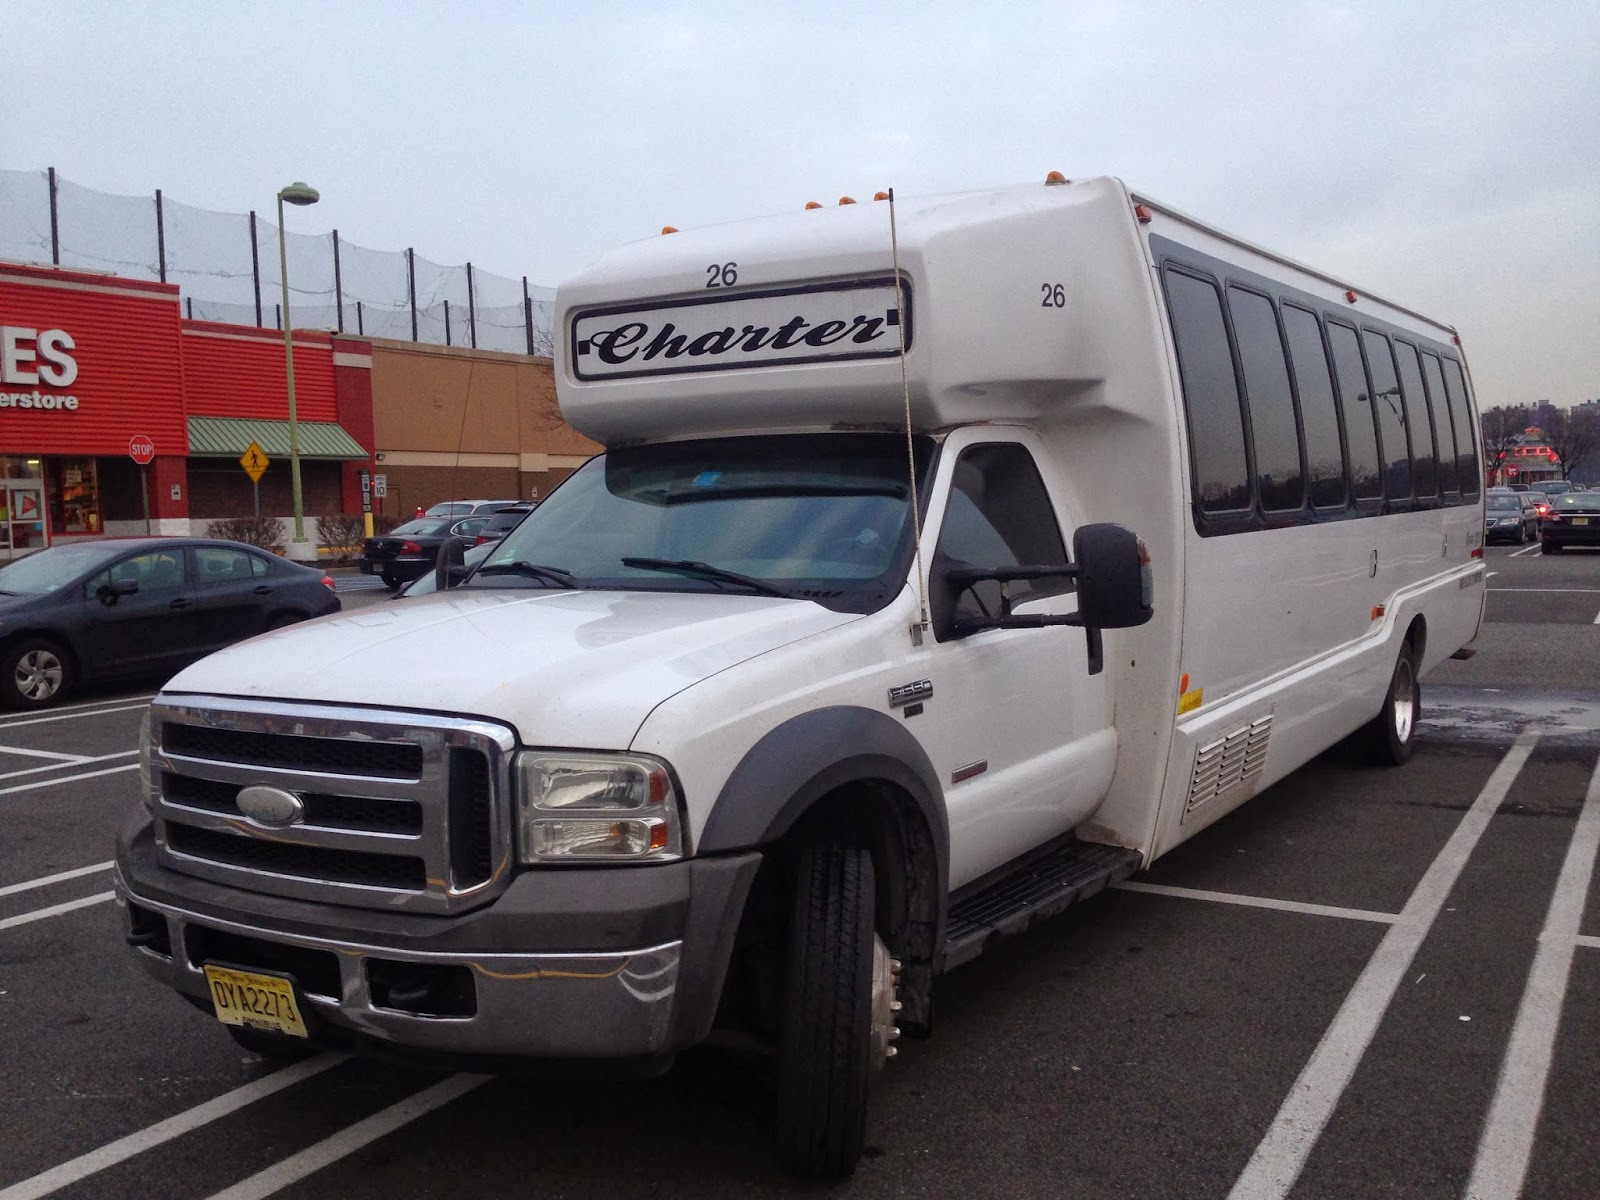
[1580, 520]
[257, 1000]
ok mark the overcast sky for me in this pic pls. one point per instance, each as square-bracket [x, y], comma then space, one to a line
[1443, 155]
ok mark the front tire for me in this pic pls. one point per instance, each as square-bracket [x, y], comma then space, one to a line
[1391, 735]
[35, 673]
[836, 995]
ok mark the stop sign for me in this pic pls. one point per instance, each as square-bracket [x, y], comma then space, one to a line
[141, 449]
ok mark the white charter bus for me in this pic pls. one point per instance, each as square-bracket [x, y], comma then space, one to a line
[794, 698]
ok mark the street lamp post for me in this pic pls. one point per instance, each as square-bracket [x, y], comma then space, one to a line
[300, 194]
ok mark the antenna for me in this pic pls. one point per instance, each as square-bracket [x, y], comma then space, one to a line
[905, 392]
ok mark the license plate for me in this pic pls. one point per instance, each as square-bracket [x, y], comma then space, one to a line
[257, 1000]
[1580, 520]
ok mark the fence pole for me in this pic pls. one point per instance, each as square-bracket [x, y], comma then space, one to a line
[447, 322]
[472, 311]
[189, 300]
[55, 227]
[338, 281]
[361, 325]
[277, 317]
[255, 266]
[161, 239]
[411, 287]
[527, 313]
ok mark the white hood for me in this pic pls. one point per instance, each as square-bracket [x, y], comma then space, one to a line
[577, 669]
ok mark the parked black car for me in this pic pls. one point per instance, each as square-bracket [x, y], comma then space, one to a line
[503, 522]
[410, 550]
[127, 607]
[1574, 520]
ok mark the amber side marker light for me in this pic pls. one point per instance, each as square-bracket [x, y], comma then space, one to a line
[1350, 297]
[1143, 213]
[1377, 611]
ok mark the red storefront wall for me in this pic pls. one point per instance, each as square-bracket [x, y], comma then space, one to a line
[141, 370]
[238, 371]
[129, 380]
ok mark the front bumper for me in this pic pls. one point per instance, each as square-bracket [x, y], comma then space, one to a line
[587, 964]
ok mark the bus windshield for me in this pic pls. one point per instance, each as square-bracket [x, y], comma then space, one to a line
[825, 517]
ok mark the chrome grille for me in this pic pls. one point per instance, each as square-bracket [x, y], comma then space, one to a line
[398, 810]
[1229, 765]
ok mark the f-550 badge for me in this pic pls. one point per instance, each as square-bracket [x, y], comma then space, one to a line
[910, 693]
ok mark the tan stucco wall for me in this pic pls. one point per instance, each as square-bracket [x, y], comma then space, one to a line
[460, 423]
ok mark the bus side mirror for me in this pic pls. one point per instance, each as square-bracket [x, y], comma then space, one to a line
[1113, 572]
[450, 568]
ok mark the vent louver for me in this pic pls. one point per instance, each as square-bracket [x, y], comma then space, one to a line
[1228, 766]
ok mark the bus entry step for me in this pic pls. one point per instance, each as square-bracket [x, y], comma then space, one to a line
[1042, 888]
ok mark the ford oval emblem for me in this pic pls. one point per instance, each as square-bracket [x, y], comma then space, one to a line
[270, 806]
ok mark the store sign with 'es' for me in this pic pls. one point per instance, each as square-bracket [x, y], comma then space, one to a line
[38, 362]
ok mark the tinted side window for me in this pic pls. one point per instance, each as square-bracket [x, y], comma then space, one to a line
[1366, 481]
[1419, 419]
[1445, 415]
[999, 515]
[1391, 410]
[1274, 430]
[1210, 394]
[217, 564]
[1455, 386]
[1318, 408]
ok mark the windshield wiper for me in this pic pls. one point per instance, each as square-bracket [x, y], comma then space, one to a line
[700, 570]
[531, 570]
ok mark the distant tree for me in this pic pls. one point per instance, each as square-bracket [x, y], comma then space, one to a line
[1575, 437]
[1502, 426]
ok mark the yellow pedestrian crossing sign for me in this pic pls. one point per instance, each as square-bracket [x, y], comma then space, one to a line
[255, 462]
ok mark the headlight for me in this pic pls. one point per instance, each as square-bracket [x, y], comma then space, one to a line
[146, 774]
[611, 807]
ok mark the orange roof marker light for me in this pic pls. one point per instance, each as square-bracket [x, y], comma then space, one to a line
[880, 195]
[1143, 213]
[846, 200]
[810, 204]
[1350, 297]
[669, 229]
[1055, 178]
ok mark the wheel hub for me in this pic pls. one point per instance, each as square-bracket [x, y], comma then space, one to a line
[38, 675]
[885, 1005]
[1404, 700]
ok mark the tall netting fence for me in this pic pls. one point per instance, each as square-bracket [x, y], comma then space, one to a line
[227, 268]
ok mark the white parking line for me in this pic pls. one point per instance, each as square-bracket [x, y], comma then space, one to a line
[55, 910]
[44, 783]
[55, 754]
[1281, 1156]
[65, 708]
[70, 716]
[1506, 1145]
[1294, 906]
[81, 762]
[347, 1141]
[1520, 553]
[11, 889]
[125, 1148]
[1579, 591]
[1587, 942]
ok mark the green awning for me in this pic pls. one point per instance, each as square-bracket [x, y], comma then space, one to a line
[229, 437]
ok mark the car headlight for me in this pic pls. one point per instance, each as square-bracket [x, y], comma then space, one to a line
[593, 807]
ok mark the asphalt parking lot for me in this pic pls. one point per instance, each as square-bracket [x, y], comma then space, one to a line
[1363, 983]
